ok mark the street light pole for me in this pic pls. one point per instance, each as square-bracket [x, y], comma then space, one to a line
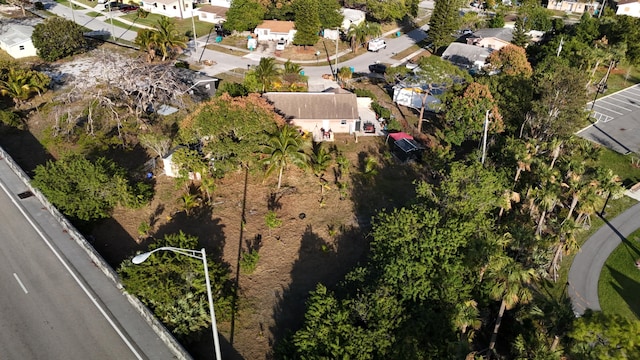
[200, 255]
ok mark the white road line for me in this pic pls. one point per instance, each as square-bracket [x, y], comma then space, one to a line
[635, 98]
[20, 282]
[612, 104]
[73, 275]
[607, 109]
[624, 101]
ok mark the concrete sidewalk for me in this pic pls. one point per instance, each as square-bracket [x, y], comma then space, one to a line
[588, 263]
[133, 319]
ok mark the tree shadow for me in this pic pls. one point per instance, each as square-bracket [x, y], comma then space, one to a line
[319, 261]
[203, 348]
[24, 148]
[627, 288]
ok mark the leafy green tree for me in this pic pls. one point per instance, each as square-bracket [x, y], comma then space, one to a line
[604, 336]
[307, 22]
[510, 60]
[56, 38]
[435, 71]
[444, 22]
[385, 11]
[244, 15]
[284, 148]
[266, 72]
[537, 17]
[330, 15]
[497, 20]
[231, 130]
[520, 37]
[291, 72]
[86, 190]
[359, 34]
[11, 119]
[558, 109]
[173, 286]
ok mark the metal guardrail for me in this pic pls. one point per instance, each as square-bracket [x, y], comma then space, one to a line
[146, 314]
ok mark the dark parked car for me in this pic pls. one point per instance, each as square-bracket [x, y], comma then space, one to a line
[128, 8]
[378, 68]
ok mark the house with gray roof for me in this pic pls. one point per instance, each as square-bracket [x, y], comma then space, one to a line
[16, 40]
[494, 39]
[466, 56]
[322, 114]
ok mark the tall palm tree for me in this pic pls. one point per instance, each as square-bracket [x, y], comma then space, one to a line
[284, 148]
[361, 33]
[146, 40]
[510, 286]
[167, 38]
[266, 72]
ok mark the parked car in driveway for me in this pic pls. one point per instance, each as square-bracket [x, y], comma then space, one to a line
[378, 68]
[128, 8]
[376, 44]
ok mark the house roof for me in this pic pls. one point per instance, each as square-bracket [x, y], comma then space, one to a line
[16, 34]
[277, 26]
[624, 2]
[353, 15]
[305, 106]
[217, 10]
[465, 54]
[505, 34]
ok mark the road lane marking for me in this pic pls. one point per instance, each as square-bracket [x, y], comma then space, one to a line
[612, 104]
[73, 275]
[20, 282]
[608, 109]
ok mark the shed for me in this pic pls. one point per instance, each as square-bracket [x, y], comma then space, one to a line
[16, 41]
[405, 147]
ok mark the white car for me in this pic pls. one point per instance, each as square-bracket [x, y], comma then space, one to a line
[376, 44]
[280, 45]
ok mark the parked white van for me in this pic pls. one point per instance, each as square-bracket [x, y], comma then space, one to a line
[376, 44]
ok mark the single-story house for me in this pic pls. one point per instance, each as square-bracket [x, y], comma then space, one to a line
[221, 3]
[170, 8]
[16, 41]
[576, 7]
[274, 30]
[200, 84]
[494, 39]
[467, 56]
[212, 14]
[322, 113]
[629, 7]
[351, 17]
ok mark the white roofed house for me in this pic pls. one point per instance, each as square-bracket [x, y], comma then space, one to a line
[16, 40]
[467, 56]
[212, 14]
[351, 17]
[171, 8]
[274, 30]
[494, 39]
[629, 7]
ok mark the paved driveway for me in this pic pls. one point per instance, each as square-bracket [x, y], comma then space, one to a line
[617, 121]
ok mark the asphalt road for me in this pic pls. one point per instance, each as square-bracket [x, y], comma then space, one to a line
[46, 313]
[587, 265]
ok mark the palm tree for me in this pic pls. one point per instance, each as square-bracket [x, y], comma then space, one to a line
[284, 148]
[361, 33]
[511, 287]
[291, 72]
[17, 86]
[146, 40]
[566, 242]
[188, 203]
[319, 158]
[266, 72]
[167, 38]
[207, 186]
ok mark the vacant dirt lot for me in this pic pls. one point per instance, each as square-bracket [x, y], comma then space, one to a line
[320, 239]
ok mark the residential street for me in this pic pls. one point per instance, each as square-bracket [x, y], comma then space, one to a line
[586, 266]
[225, 62]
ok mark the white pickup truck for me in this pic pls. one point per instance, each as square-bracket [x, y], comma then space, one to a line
[376, 44]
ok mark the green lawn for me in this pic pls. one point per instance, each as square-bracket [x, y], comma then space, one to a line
[619, 285]
[621, 166]
[183, 26]
[619, 78]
